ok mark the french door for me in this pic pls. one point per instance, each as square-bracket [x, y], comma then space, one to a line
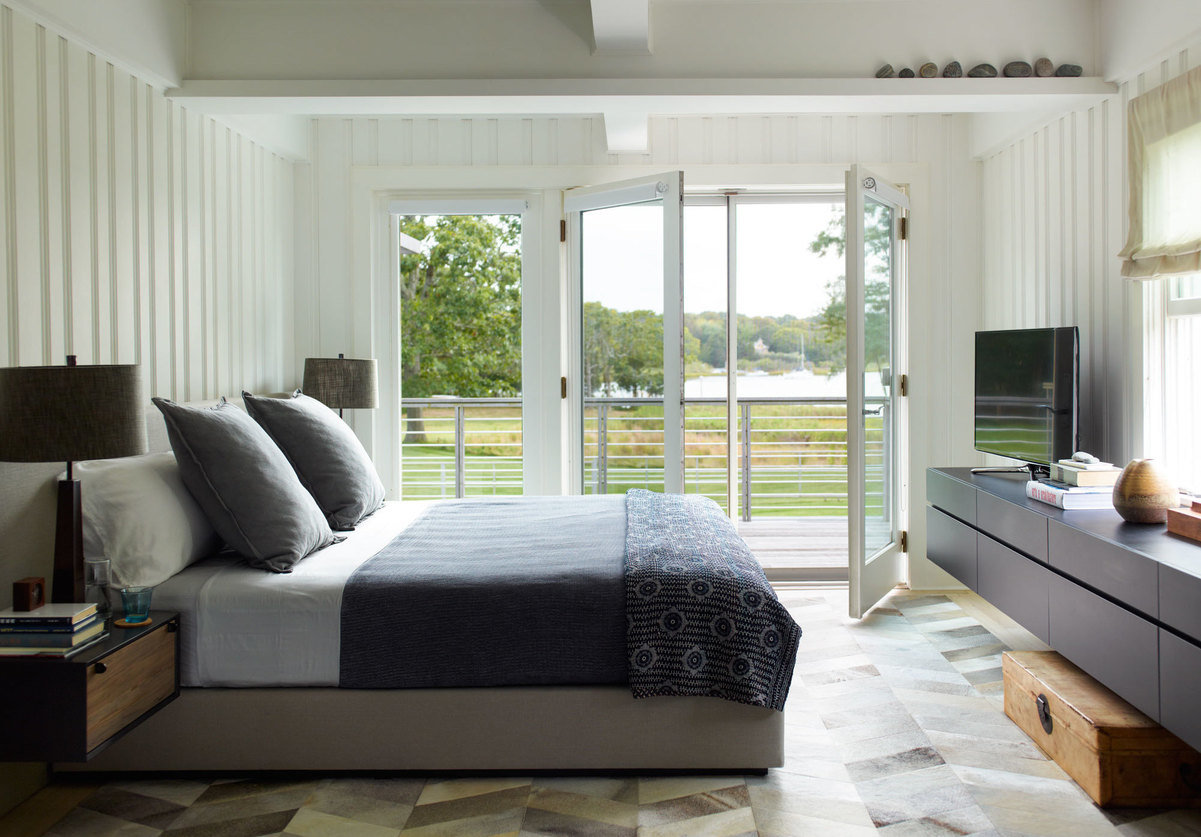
[874, 287]
[625, 393]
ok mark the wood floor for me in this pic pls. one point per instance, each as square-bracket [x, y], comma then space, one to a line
[809, 547]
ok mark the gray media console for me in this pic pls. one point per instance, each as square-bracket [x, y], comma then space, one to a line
[1120, 600]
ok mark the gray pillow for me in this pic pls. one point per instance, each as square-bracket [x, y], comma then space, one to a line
[328, 457]
[245, 485]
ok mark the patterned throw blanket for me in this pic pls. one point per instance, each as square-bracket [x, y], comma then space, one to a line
[701, 618]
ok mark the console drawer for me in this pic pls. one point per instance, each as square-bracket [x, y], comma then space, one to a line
[1112, 644]
[951, 545]
[1024, 530]
[1179, 594]
[951, 496]
[1179, 686]
[1123, 574]
[1014, 584]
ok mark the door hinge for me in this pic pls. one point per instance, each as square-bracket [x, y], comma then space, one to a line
[904, 385]
[904, 541]
[904, 227]
[563, 387]
[562, 230]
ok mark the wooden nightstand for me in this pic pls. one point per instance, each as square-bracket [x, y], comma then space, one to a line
[69, 710]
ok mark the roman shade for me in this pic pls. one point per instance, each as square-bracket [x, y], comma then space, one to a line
[1164, 147]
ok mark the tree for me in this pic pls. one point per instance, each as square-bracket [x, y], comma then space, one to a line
[460, 321]
[877, 289]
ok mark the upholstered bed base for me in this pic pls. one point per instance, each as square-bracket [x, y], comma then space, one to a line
[566, 728]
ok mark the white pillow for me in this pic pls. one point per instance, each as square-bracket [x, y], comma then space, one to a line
[138, 514]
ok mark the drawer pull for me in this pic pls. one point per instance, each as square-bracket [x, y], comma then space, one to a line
[100, 668]
[172, 627]
[1044, 713]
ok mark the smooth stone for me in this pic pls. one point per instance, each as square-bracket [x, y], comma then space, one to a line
[1069, 70]
[953, 70]
[1043, 68]
[928, 70]
[982, 71]
[905, 73]
[1018, 69]
[885, 72]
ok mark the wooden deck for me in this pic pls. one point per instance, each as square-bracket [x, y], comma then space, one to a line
[800, 547]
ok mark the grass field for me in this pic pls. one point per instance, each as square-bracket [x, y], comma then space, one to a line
[798, 454]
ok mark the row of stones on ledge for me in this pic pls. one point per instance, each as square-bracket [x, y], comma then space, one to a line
[1043, 68]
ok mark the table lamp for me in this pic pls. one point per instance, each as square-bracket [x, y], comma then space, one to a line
[65, 414]
[341, 382]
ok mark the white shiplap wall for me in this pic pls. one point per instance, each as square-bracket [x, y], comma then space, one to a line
[351, 157]
[1055, 205]
[134, 230]
[131, 231]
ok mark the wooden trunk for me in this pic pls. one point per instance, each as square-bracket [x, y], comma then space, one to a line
[1118, 755]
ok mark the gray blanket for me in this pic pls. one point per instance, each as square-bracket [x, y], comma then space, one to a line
[702, 619]
[657, 591]
[492, 592]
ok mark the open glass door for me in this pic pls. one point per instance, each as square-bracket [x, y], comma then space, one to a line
[874, 272]
[625, 410]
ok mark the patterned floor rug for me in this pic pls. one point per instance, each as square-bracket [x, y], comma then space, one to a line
[894, 727]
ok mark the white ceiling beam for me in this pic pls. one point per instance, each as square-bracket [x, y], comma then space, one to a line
[622, 26]
[589, 97]
[627, 132]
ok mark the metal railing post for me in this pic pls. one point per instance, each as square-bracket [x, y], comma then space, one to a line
[460, 453]
[602, 448]
[746, 461]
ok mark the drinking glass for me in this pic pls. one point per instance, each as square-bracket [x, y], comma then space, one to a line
[136, 603]
[97, 575]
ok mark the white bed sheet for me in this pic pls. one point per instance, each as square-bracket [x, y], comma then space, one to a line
[247, 627]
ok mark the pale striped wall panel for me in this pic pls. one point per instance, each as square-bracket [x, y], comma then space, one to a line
[1054, 205]
[133, 230]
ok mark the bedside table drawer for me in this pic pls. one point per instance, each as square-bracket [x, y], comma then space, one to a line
[129, 683]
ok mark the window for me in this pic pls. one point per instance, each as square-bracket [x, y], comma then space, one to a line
[1164, 132]
[1181, 394]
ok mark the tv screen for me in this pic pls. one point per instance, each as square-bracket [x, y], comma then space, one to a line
[1026, 393]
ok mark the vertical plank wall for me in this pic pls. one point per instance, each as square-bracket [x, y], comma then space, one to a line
[131, 231]
[559, 152]
[1054, 205]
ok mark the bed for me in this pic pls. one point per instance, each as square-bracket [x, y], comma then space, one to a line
[271, 683]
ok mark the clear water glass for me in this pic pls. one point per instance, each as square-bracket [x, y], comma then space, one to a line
[97, 576]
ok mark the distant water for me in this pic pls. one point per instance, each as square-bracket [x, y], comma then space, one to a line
[796, 384]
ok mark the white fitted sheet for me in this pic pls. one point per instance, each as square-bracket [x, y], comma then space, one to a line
[247, 627]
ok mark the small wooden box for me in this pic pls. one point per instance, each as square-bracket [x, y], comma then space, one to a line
[1118, 755]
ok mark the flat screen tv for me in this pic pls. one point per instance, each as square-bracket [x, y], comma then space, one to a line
[1027, 393]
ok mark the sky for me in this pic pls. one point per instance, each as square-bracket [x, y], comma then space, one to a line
[777, 275]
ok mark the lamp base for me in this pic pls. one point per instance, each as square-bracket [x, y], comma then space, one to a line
[68, 545]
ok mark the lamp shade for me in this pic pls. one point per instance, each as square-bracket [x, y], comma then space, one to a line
[68, 413]
[342, 382]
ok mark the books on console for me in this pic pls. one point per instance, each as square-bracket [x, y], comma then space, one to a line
[1064, 496]
[1072, 475]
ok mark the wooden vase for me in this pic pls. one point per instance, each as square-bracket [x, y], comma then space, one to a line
[1144, 492]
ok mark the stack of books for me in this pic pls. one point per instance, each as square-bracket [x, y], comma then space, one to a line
[1076, 485]
[52, 630]
[1092, 474]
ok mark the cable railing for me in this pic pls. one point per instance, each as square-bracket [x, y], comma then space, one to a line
[791, 457]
